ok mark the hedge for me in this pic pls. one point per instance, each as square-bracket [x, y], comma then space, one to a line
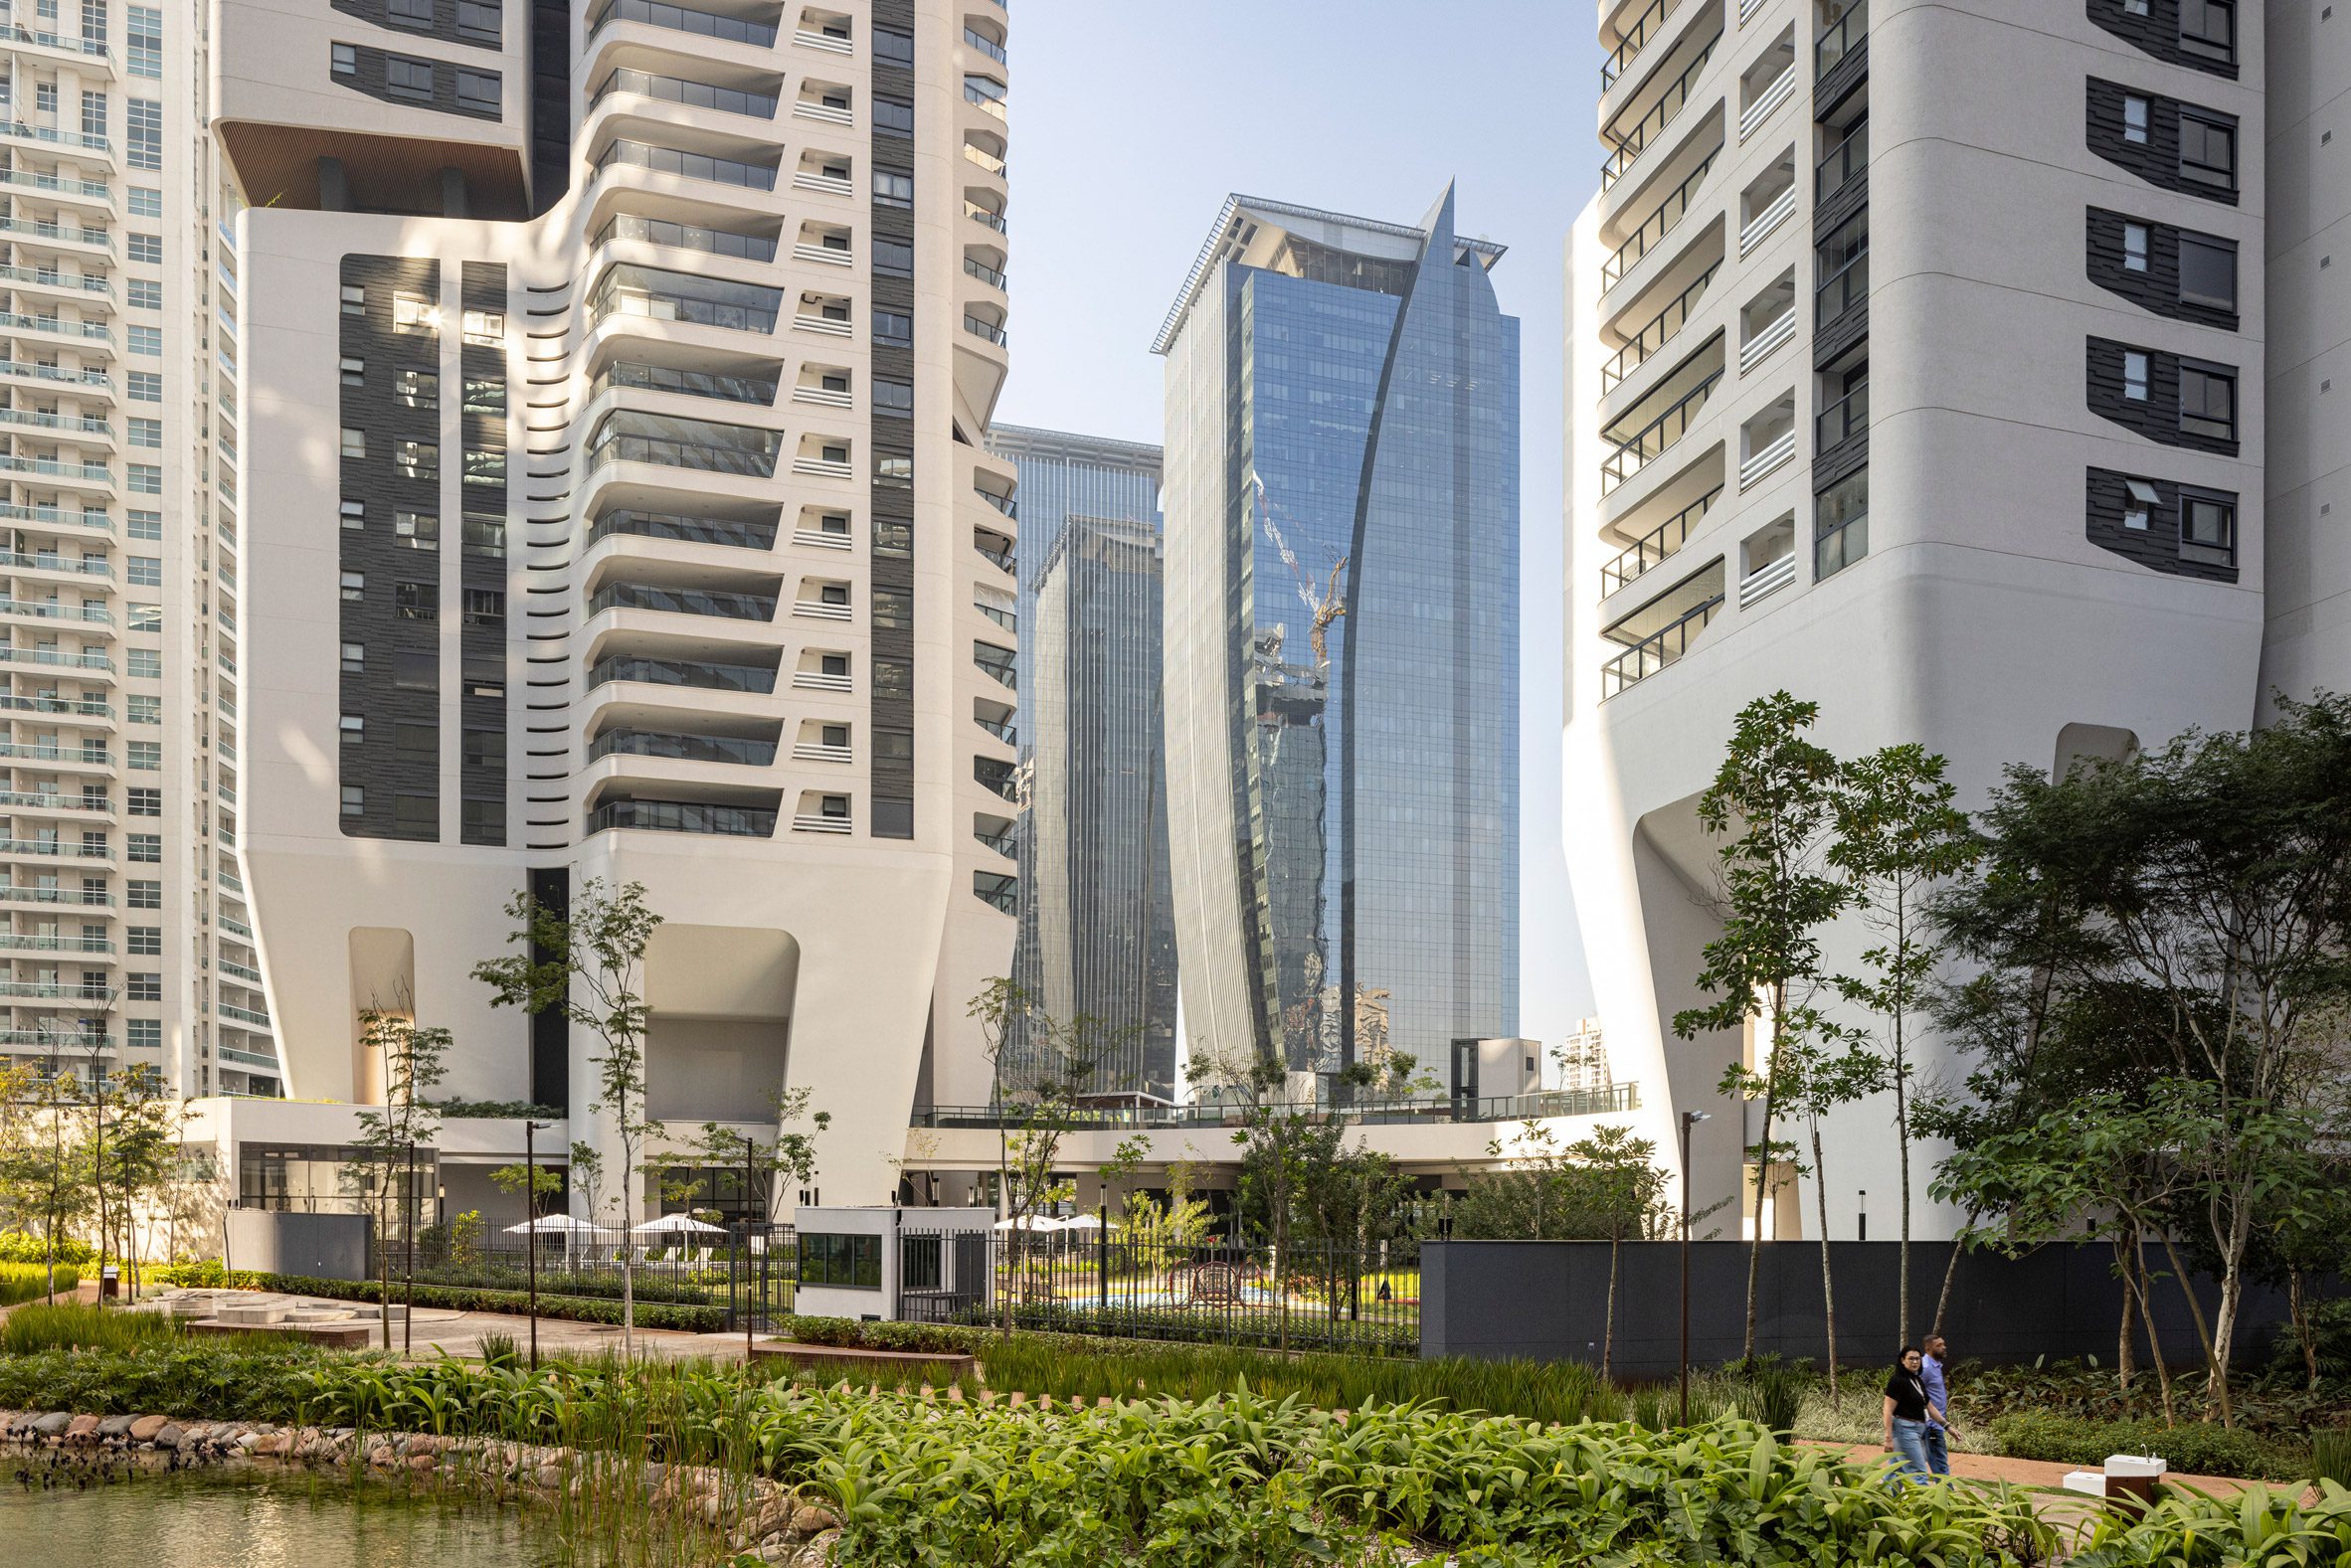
[2196, 1447]
[570, 1308]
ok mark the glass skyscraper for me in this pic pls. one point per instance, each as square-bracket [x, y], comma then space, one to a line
[1343, 645]
[1097, 935]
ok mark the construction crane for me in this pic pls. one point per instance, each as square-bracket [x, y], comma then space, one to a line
[1323, 611]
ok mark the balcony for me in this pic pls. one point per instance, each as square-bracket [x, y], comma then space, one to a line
[987, 45]
[50, 136]
[1847, 287]
[682, 602]
[98, 663]
[1655, 546]
[998, 664]
[824, 819]
[1848, 35]
[1766, 84]
[1644, 132]
[679, 18]
[1638, 445]
[1004, 840]
[823, 538]
[1845, 419]
[693, 95]
[52, 609]
[78, 897]
[985, 95]
[727, 748]
[1769, 441]
[1768, 203]
[817, 180]
[998, 777]
[698, 446]
[986, 331]
[687, 236]
[687, 165]
[61, 707]
[59, 234]
[629, 289]
[682, 817]
[97, 193]
[686, 383]
[819, 680]
[1662, 631]
[686, 530]
[997, 889]
[1633, 40]
[1768, 562]
[1655, 334]
[1839, 169]
[830, 43]
[707, 675]
[986, 273]
[824, 254]
[818, 110]
[986, 217]
[982, 158]
[1656, 226]
[818, 752]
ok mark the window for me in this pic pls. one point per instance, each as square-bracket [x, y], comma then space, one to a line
[416, 815]
[2208, 401]
[146, 572]
[416, 14]
[410, 313]
[354, 587]
[482, 821]
[2134, 247]
[2138, 506]
[1841, 525]
[478, 21]
[416, 671]
[890, 326]
[485, 395]
[484, 748]
[2135, 375]
[893, 539]
[486, 606]
[2208, 272]
[355, 658]
[354, 443]
[416, 530]
[892, 190]
[146, 386]
[2208, 528]
[146, 1033]
[146, 41]
[486, 465]
[354, 801]
[144, 663]
[833, 593]
[145, 199]
[145, 848]
[893, 117]
[483, 676]
[142, 478]
[146, 248]
[140, 709]
[893, 48]
[419, 389]
[417, 739]
[893, 610]
[144, 432]
[893, 678]
[893, 745]
[144, 757]
[143, 126]
[147, 340]
[2208, 149]
[2134, 120]
[893, 259]
[354, 371]
[417, 460]
[343, 60]
[895, 473]
[144, 802]
[45, 97]
[144, 617]
[477, 91]
[486, 536]
[404, 77]
[2208, 28]
[145, 524]
[145, 293]
[355, 515]
[486, 326]
[354, 300]
[141, 893]
[93, 115]
[893, 397]
[143, 942]
[417, 601]
[843, 1262]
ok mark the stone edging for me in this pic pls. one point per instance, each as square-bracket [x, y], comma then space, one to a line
[764, 1519]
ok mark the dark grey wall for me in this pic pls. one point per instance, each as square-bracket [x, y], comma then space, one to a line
[2156, 415]
[2158, 288]
[1546, 1301]
[2157, 159]
[2158, 33]
[2156, 546]
[321, 1246]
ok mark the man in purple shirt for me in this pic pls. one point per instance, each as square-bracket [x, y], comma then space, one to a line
[1938, 1406]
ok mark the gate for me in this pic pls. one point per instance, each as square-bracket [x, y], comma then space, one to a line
[763, 1267]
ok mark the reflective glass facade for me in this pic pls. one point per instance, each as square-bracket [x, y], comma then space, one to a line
[1097, 933]
[1351, 596]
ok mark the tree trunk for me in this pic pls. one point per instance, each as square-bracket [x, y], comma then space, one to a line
[2304, 1316]
[2141, 1287]
[1608, 1322]
[1755, 1245]
[383, 1276]
[2217, 1371]
[1943, 1300]
[1901, 1132]
[1828, 1289]
[2125, 1347]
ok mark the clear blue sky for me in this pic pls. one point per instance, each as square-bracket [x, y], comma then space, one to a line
[1131, 123]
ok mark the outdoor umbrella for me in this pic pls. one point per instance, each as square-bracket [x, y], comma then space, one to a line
[670, 1224]
[1086, 1222]
[1034, 1222]
[550, 1224]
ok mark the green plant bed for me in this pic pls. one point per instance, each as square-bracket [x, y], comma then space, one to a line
[559, 1282]
[462, 1299]
[2191, 1448]
[30, 1282]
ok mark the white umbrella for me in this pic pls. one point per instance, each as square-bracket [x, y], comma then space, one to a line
[669, 1224]
[1034, 1222]
[550, 1224]
[1087, 1222]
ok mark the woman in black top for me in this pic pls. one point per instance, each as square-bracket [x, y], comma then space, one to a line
[1905, 1415]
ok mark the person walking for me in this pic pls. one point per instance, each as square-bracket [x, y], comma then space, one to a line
[1906, 1416]
[1934, 1372]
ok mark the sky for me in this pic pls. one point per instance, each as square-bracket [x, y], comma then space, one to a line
[1130, 125]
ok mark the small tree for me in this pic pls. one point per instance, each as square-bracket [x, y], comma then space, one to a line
[790, 1155]
[587, 1176]
[587, 965]
[413, 1060]
[1898, 837]
[148, 1125]
[1773, 802]
[542, 1181]
[1817, 1073]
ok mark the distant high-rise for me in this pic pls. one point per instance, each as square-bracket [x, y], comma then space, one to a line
[1343, 645]
[1097, 933]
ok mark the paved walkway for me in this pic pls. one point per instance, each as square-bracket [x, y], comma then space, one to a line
[2027, 1472]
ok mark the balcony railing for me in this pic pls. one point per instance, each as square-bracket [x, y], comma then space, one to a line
[1004, 729]
[1636, 38]
[1840, 291]
[702, 24]
[681, 602]
[1660, 331]
[1760, 226]
[1655, 439]
[683, 747]
[1002, 663]
[1771, 456]
[695, 95]
[984, 215]
[1613, 1101]
[689, 236]
[1766, 580]
[699, 457]
[1652, 124]
[985, 102]
[986, 273]
[1751, 118]
[1759, 348]
[95, 331]
[54, 138]
[1842, 420]
[1839, 545]
[1656, 226]
[692, 383]
[688, 165]
[987, 45]
[1002, 503]
[683, 816]
[684, 672]
[689, 530]
[988, 331]
[1657, 650]
[680, 307]
[1841, 38]
[997, 889]
[1657, 545]
[1005, 843]
[1846, 160]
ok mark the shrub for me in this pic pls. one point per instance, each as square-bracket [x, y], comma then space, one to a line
[1772, 1394]
[29, 1282]
[73, 1327]
[2330, 1457]
[2196, 1448]
[24, 1247]
[573, 1309]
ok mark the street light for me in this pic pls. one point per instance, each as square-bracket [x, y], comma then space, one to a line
[530, 1219]
[1689, 1119]
[743, 1261]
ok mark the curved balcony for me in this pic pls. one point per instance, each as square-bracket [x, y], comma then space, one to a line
[624, 153]
[685, 529]
[1661, 222]
[682, 19]
[704, 674]
[1662, 631]
[1650, 337]
[997, 889]
[682, 602]
[629, 289]
[1638, 446]
[686, 237]
[1656, 547]
[697, 446]
[998, 664]
[683, 747]
[998, 777]
[638, 377]
[1650, 128]
[680, 89]
[682, 817]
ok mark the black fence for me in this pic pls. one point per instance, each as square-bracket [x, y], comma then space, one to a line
[1315, 1296]
[741, 1270]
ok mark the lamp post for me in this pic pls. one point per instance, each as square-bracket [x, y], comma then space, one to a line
[750, 1186]
[408, 1223]
[1689, 1119]
[530, 1218]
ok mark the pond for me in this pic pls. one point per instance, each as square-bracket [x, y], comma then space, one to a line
[248, 1517]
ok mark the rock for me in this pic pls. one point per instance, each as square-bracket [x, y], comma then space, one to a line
[249, 1441]
[114, 1426]
[144, 1429]
[550, 1476]
[82, 1429]
[808, 1519]
[168, 1435]
[420, 1463]
[818, 1553]
[382, 1457]
[54, 1424]
[188, 1440]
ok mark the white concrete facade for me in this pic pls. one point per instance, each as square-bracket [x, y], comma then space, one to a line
[2006, 606]
[678, 645]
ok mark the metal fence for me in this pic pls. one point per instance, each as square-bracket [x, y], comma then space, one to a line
[745, 1270]
[1310, 1296]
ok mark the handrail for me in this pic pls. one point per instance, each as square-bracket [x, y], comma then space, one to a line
[680, 90]
[1848, 158]
[1765, 223]
[1669, 213]
[1841, 38]
[689, 530]
[1652, 124]
[1618, 367]
[690, 383]
[987, 45]
[682, 817]
[1654, 652]
[682, 748]
[1632, 40]
[682, 602]
[1614, 1100]
[1656, 439]
[677, 18]
[1657, 545]
[984, 215]
[684, 672]
[687, 165]
[1842, 419]
[686, 237]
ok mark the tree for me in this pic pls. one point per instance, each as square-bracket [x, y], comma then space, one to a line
[413, 1059]
[587, 965]
[1898, 836]
[542, 1181]
[790, 1156]
[1818, 1072]
[145, 1154]
[587, 1175]
[1628, 1202]
[1773, 802]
